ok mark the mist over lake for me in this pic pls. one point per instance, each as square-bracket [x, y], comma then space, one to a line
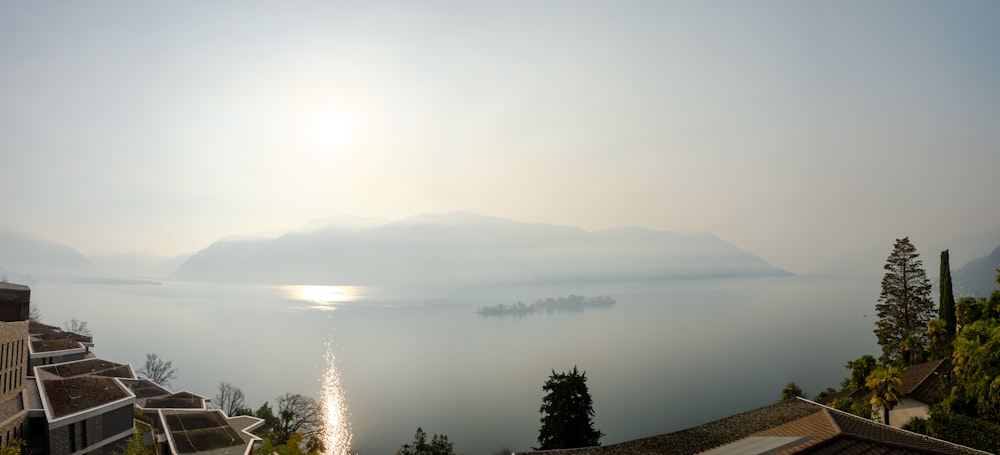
[667, 355]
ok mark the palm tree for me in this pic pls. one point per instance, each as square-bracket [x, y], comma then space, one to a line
[884, 383]
[937, 329]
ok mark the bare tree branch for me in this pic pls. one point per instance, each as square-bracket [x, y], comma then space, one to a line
[76, 326]
[230, 399]
[297, 413]
[158, 370]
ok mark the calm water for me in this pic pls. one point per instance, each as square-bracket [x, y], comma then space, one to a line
[667, 356]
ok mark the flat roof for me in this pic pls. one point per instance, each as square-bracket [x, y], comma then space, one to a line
[205, 431]
[95, 367]
[77, 394]
[13, 287]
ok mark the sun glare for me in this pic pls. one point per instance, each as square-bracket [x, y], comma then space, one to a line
[336, 429]
[332, 129]
[323, 297]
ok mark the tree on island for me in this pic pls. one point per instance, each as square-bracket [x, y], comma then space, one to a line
[567, 412]
[158, 370]
[904, 305]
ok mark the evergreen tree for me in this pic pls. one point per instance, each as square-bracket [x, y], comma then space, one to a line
[860, 369]
[905, 303]
[567, 410]
[439, 445]
[946, 303]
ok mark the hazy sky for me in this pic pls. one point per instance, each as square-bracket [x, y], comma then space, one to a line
[796, 130]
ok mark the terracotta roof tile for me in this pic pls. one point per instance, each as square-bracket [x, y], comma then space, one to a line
[831, 431]
[923, 381]
[819, 425]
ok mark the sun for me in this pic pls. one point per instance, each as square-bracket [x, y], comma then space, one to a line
[332, 129]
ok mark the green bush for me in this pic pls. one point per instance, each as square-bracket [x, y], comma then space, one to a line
[968, 431]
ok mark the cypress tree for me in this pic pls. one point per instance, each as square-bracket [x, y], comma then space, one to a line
[946, 303]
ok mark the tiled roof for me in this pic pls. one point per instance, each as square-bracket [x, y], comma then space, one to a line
[823, 430]
[707, 436]
[819, 425]
[923, 381]
[853, 394]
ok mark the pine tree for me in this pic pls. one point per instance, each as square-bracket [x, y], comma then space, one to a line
[905, 303]
[946, 303]
[567, 411]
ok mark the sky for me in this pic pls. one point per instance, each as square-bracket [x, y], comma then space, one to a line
[796, 130]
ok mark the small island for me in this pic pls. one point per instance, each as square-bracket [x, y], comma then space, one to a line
[569, 304]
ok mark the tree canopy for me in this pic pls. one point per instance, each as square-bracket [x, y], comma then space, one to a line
[904, 305]
[791, 391]
[567, 413]
[439, 445]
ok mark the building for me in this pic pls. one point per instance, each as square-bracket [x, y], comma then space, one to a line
[58, 396]
[14, 309]
[920, 388]
[86, 407]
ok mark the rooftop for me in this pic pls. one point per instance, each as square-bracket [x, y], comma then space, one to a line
[179, 400]
[13, 287]
[95, 367]
[76, 394]
[788, 427]
[144, 388]
[202, 431]
[923, 381]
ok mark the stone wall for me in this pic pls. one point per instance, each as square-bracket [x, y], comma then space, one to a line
[13, 358]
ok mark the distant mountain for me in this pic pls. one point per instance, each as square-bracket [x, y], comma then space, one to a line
[467, 248]
[978, 277]
[23, 256]
[139, 265]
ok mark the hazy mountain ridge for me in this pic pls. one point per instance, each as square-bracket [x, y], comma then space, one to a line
[977, 277]
[23, 256]
[469, 248]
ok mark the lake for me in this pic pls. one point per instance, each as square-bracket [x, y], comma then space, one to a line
[668, 355]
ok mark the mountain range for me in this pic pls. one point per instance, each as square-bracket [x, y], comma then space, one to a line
[459, 247]
[465, 247]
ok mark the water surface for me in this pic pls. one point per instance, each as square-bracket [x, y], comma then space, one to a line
[666, 356]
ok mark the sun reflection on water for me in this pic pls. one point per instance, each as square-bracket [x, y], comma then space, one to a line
[324, 297]
[336, 432]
